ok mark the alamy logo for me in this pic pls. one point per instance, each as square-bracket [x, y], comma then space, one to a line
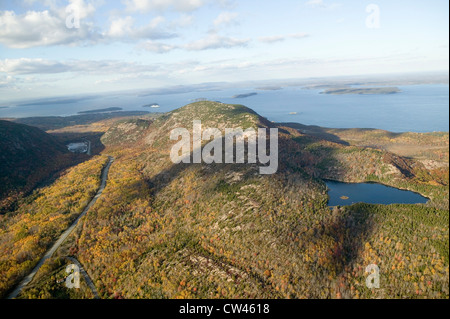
[73, 280]
[373, 19]
[212, 152]
[373, 280]
[73, 17]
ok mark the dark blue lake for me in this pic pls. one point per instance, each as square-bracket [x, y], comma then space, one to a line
[370, 193]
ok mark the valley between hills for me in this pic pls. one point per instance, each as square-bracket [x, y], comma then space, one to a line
[164, 230]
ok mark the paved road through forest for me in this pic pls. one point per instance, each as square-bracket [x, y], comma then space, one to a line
[63, 236]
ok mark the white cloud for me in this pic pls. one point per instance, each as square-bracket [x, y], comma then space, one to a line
[279, 38]
[299, 35]
[107, 67]
[157, 47]
[272, 39]
[48, 27]
[227, 4]
[120, 27]
[124, 29]
[315, 3]
[321, 4]
[226, 18]
[20, 72]
[26, 66]
[7, 81]
[212, 41]
[36, 29]
[161, 5]
[31, 66]
[235, 66]
[184, 21]
[215, 41]
[80, 8]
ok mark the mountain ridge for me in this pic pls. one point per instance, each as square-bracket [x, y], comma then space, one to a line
[165, 230]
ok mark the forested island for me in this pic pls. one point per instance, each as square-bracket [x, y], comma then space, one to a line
[373, 90]
[242, 96]
[109, 109]
[153, 105]
[269, 88]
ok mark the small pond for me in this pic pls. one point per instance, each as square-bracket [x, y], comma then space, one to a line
[372, 193]
[80, 147]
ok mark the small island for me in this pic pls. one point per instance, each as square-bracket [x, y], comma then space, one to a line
[152, 105]
[269, 88]
[241, 96]
[371, 90]
[4, 107]
[109, 109]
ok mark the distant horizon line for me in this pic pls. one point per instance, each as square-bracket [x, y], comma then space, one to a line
[193, 87]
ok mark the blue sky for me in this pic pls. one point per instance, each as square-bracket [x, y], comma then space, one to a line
[137, 44]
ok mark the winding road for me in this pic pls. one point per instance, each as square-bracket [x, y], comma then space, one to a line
[86, 277]
[64, 236]
[88, 152]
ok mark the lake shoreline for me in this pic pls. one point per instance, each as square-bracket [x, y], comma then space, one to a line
[388, 188]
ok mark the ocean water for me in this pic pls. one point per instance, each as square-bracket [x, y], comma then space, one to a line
[418, 108]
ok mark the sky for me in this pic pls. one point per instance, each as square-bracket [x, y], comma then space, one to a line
[56, 47]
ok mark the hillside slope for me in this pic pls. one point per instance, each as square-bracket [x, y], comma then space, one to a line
[28, 155]
[165, 230]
